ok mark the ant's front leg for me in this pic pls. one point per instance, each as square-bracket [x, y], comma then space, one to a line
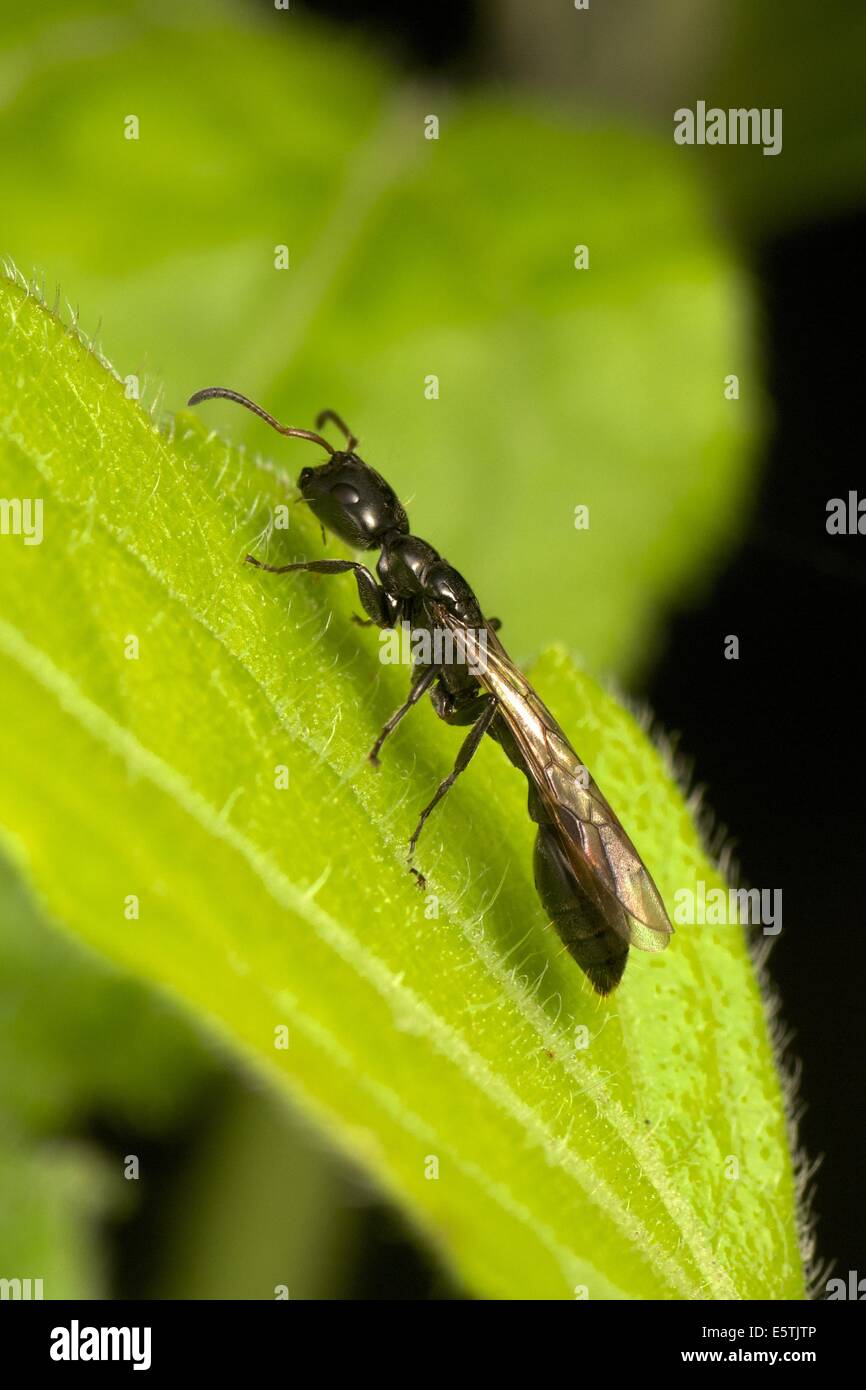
[394, 610]
[373, 598]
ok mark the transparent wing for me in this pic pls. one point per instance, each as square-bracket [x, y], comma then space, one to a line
[604, 861]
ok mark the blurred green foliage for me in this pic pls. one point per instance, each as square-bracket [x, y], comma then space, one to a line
[58, 1010]
[407, 257]
[646, 58]
[53, 1197]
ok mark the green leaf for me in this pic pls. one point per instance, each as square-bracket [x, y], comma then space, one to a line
[408, 258]
[412, 1036]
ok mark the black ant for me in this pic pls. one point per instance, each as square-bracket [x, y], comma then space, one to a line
[588, 874]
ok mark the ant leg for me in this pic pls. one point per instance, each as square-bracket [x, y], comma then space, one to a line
[393, 606]
[416, 691]
[460, 709]
[468, 748]
[325, 415]
[373, 597]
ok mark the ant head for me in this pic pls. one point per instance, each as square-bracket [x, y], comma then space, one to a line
[345, 494]
[352, 500]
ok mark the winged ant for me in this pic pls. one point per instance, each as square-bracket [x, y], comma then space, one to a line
[588, 874]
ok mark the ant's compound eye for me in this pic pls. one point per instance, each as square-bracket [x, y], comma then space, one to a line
[345, 494]
[304, 477]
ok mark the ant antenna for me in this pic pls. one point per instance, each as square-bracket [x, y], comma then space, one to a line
[223, 393]
[325, 415]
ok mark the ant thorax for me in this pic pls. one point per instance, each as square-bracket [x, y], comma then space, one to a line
[404, 564]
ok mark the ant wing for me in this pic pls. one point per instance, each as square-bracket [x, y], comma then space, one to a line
[600, 854]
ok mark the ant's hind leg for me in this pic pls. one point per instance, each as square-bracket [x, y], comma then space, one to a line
[416, 691]
[468, 748]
